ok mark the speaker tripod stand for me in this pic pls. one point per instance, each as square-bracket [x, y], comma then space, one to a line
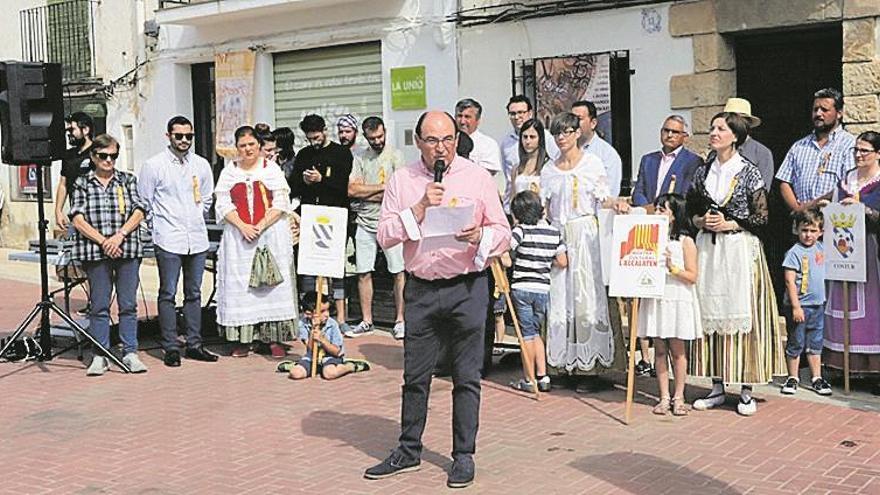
[46, 304]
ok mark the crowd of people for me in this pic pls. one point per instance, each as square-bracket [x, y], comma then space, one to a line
[719, 292]
[718, 316]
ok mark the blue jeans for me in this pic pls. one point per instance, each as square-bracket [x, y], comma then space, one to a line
[193, 266]
[103, 276]
[808, 334]
[531, 310]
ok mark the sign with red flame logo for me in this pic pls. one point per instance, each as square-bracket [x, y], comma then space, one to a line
[638, 268]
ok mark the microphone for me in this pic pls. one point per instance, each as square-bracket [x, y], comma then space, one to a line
[439, 168]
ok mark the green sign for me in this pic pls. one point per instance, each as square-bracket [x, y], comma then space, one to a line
[408, 88]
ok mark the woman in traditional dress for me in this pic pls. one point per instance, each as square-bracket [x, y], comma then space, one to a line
[580, 339]
[728, 204]
[255, 294]
[860, 185]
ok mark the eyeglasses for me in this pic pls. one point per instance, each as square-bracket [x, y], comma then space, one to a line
[674, 132]
[107, 156]
[862, 151]
[565, 133]
[180, 136]
[433, 141]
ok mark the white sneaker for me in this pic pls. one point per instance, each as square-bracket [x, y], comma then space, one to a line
[98, 367]
[399, 330]
[134, 363]
[747, 408]
[709, 402]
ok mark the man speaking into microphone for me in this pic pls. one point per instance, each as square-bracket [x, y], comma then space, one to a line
[447, 292]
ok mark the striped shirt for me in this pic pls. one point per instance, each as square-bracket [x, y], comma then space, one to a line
[813, 171]
[534, 247]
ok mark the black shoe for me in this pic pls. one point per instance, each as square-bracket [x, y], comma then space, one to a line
[396, 463]
[643, 368]
[821, 387]
[200, 354]
[172, 358]
[462, 473]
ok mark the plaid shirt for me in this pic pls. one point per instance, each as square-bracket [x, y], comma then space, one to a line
[107, 210]
[813, 171]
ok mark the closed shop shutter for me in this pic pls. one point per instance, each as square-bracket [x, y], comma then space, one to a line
[329, 82]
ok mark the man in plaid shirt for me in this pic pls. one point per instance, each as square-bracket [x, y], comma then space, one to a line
[106, 211]
[816, 162]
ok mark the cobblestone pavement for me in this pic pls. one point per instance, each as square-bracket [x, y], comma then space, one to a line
[237, 427]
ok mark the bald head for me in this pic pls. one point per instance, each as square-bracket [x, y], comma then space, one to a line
[436, 137]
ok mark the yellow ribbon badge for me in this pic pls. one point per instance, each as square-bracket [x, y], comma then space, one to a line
[120, 200]
[197, 195]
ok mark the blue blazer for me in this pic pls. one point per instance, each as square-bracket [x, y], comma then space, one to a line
[683, 168]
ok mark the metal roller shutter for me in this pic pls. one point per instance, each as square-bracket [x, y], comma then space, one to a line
[329, 82]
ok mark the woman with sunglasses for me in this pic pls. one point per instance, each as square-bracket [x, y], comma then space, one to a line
[106, 211]
[580, 337]
[861, 184]
[255, 300]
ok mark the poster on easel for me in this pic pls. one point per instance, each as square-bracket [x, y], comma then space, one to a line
[844, 239]
[638, 263]
[234, 88]
[322, 241]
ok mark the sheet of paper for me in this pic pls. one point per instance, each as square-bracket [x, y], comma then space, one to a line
[446, 221]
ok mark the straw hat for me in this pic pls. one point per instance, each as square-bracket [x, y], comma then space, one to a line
[744, 108]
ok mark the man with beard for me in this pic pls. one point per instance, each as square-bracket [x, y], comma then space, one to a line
[320, 177]
[366, 186]
[80, 128]
[177, 187]
[347, 131]
[815, 163]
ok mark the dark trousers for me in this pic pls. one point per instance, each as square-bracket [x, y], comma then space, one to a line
[452, 314]
[170, 265]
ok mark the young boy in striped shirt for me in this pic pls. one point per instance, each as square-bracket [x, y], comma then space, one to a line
[536, 246]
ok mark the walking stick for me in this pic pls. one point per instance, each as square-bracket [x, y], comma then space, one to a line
[846, 337]
[631, 367]
[316, 324]
[527, 361]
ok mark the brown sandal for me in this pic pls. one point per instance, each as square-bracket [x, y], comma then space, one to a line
[679, 407]
[662, 407]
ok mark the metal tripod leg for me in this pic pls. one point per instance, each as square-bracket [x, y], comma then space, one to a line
[21, 328]
[82, 331]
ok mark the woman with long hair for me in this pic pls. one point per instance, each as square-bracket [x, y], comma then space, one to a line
[532, 158]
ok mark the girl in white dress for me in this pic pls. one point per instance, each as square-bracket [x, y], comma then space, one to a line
[674, 318]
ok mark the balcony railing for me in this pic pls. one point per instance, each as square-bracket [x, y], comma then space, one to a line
[63, 33]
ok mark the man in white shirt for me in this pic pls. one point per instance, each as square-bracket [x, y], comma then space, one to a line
[519, 110]
[592, 143]
[177, 186]
[486, 152]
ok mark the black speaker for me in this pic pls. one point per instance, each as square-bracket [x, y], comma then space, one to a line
[31, 113]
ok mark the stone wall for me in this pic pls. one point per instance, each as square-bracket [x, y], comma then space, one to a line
[713, 80]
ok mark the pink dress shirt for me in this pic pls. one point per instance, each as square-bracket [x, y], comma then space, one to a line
[466, 183]
[666, 160]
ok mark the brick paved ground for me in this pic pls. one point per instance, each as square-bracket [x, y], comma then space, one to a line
[237, 427]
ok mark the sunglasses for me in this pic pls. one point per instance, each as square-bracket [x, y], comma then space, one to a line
[107, 156]
[180, 136]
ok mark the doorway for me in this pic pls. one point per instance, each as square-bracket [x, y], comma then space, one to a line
[779, 72]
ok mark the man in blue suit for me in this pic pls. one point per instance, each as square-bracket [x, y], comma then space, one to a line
[669, 170]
